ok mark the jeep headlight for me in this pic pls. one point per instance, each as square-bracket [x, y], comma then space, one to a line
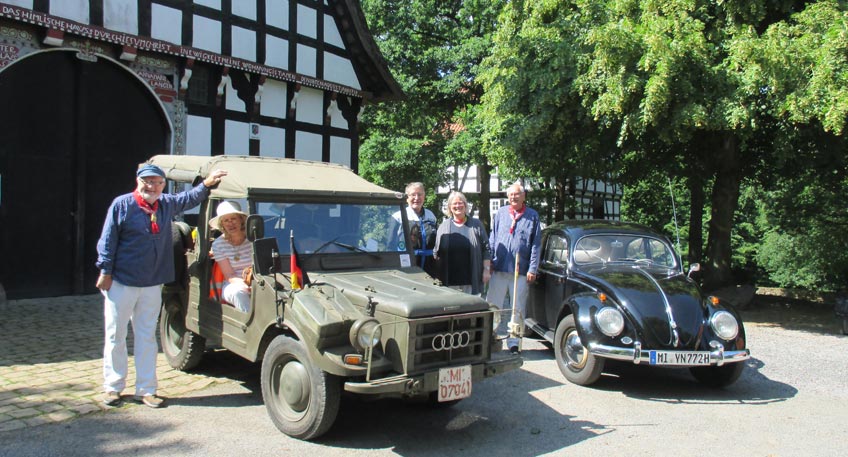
[365, 333]
[610, 321]
[724, 325]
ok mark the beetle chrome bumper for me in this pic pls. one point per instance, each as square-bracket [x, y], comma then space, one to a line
[429, 382]
[718, 356]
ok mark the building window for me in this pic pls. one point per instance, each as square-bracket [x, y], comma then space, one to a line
[198, 87]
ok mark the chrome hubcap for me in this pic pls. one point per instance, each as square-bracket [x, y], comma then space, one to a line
[574, 351]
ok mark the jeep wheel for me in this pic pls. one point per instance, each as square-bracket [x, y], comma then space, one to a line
[182, 348]
[573, 358]
[301, 399]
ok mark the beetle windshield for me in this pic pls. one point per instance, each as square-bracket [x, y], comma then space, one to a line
[640, 249]
[332, 228]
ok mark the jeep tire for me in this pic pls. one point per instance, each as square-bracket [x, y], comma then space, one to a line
[182, 348]
[301, 399]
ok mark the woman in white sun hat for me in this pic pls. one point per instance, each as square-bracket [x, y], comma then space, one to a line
[233, 252]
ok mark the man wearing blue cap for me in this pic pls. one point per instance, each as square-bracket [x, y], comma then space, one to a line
[135, 256]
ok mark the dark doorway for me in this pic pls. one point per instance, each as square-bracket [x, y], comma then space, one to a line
[73, 134]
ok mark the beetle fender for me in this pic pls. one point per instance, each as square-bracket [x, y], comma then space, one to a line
[583, 307]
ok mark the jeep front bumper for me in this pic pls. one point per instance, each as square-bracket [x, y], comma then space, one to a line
[405, 385]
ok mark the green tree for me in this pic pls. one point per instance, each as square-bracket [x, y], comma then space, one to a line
[700, 90]
[433, 47]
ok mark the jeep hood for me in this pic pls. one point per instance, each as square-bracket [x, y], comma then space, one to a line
[408, 293]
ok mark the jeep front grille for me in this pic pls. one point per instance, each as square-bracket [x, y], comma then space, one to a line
[447, 341]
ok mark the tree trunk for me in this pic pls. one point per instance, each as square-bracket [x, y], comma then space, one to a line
[696, 218]
[559, 201]
[484, 174]
[725, 199]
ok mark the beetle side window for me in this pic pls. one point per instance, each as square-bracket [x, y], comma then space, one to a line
[556, 252]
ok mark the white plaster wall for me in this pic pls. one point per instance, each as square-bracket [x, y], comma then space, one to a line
[198, 135]
[276, 52]
[244, 44]
[232, 102]
[307, 21]
[310, 106]
[236, 138]
[75, 10]
[166, 24]
[331, 32]
[22, 3]
[121, 15]
[306, 56]
[307, 146]
[340, 70]
[207, 34]
[340, 150]
[272, 141]
[336, 118]
[277, 13]
[245, 8]
[274, 99]
[212, 3]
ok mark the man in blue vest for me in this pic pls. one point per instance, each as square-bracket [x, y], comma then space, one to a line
[422, 227]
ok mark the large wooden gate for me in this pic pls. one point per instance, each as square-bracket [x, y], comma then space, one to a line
[73, 132]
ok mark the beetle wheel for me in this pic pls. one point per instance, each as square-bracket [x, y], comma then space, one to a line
[574, 360]
[301, 399]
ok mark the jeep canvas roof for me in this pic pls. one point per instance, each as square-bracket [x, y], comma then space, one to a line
[251, 175]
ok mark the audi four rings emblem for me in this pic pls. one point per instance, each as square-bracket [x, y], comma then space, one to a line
[456, 340]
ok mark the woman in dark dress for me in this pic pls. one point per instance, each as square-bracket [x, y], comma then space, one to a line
[462, 248]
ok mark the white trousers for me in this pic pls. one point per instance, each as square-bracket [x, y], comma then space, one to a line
[238, 295]
[139, 305]
[502, 284]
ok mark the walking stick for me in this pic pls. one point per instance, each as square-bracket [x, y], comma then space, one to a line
[513, 342]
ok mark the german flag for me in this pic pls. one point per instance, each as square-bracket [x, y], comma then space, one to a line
[299, 278]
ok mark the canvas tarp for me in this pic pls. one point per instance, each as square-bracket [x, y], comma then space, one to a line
[250, 172]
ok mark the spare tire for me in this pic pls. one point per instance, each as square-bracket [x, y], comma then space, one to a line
[181, 241]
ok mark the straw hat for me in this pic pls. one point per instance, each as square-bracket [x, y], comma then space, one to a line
[224, 208]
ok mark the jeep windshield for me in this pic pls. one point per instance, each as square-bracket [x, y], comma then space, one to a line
[638, 249]
[332, 228]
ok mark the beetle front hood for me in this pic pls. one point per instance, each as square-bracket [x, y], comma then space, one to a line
[405, 293]
[656, 302]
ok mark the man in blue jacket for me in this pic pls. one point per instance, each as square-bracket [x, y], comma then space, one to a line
[135, 256]
[516, 231]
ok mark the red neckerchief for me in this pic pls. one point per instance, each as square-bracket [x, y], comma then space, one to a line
[148, 209]
[516, 215]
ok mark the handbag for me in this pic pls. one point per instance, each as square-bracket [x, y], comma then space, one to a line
[247, 275]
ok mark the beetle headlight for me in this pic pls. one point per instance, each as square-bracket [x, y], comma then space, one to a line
[365, 333]
[724, 325]
[610, 321]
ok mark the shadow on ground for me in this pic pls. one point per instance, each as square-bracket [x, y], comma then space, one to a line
[792, 315]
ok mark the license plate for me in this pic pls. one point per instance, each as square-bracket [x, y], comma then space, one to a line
[454, 383]
[680, 358]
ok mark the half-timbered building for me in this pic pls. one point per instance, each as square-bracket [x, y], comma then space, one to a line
[91, 88]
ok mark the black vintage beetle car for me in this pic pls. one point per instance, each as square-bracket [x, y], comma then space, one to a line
[609, 290]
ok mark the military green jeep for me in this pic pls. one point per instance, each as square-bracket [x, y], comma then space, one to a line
[368, 322]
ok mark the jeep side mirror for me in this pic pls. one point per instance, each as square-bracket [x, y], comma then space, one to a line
[255, 227]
